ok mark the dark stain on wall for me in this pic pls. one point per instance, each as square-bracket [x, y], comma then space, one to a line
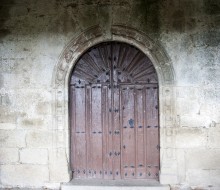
[151, 16]
[147, 12]
[212, 7]
[5, 6]
[211, 38]
[178, 23]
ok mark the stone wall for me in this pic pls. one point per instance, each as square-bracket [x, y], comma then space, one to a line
[34, 34]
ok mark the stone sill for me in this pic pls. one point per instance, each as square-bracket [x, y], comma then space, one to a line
[92, 184]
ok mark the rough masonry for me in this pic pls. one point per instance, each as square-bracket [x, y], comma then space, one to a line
[40, 41]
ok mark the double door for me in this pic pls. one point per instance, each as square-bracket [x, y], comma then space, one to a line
[114, 126]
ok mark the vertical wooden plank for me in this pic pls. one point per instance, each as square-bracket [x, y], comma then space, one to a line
[72, 123]
[155, 133]
[116, 135]
[110, 134]
[152, 133]
[104, 130]
[135, 131]
[145, 130]
[105, 136]
[140, 146]
[88, 131]
[96, 132]
[128, 133]
[80, 136]
[121, 132]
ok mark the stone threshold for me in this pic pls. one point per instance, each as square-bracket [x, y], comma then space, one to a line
[92, 184]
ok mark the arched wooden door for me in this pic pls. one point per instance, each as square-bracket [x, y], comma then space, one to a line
[114, 114]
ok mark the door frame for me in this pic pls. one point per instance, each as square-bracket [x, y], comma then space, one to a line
[166, 80]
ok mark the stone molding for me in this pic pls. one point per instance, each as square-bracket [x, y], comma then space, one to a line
[121, 33]
[163, 66]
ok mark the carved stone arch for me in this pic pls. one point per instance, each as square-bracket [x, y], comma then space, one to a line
[164, 69]
[95, 35]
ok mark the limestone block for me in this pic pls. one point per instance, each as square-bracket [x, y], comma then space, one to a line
[168, 179]
[33, 123]
[195, 120]
[186, 106]
[191, 137]
[29, 101]
[213, 137]
[6, 116]
[189, 93]
[39, 139]
[12, 138]
[8, 155]
[7, 126]
[168, 167]
[211, 110]
[181, 164]
[58, 165]
[24, 175]
[34, 156]
[215, 176]
[203, 159]
[198, 176]
[43, 107]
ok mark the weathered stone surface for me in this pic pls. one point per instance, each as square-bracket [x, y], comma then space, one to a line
[215, 176]
[191, 137]
[181, 164]
[198, 176]
[43, 107]
[12, 138]
[7, 126]
[195, 120]
[9, 155]
[213, 137]
[31, 123]
[24, 175]
[58, 165]
[34, 156]
[206, 159]
[39, 139]
[29, 102]
[7, 118]
[34, 83]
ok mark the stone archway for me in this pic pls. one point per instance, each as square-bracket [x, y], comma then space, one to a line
[163, 66]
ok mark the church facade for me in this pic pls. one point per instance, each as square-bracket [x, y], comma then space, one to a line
[111, 91]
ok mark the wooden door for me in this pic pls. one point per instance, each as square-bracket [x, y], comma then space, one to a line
[114, 114]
